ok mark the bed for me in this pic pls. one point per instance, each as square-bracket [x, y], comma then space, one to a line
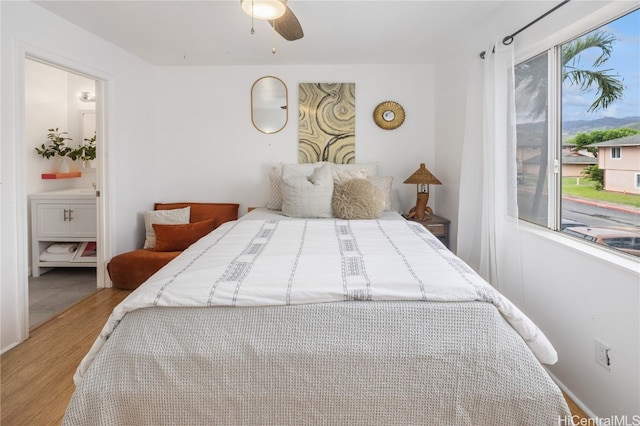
[327, 307]
[273, 320]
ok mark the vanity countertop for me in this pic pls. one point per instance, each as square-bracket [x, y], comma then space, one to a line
[71, 193]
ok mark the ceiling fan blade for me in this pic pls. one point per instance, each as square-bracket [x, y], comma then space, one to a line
[288, 26]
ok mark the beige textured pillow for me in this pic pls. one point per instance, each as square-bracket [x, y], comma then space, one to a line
[167, 217]
[357, 199]
[384, 183]
[275, 196]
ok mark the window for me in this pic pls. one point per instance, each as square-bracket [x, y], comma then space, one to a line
[615, 152]
[570, 102]
[532, 138]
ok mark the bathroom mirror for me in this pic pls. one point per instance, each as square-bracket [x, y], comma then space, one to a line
[269, 105]
[88, 124]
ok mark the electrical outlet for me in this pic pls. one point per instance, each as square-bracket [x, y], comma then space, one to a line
[602, 354]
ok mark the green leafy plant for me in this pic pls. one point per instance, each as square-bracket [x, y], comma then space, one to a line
[581, 140]
[85, 152]
[57, 146]
[596, 175]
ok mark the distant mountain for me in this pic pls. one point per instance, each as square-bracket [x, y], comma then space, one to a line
[529, 133]
[584, 126]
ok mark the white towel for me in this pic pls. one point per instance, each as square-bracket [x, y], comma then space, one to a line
[55, 257]
[59, 248]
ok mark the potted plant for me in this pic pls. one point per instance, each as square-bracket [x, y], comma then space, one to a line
[85, 152]
[57, 147]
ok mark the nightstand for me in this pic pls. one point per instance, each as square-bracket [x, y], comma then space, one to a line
[438, 226]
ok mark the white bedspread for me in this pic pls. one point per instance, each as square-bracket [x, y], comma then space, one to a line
[269, 262]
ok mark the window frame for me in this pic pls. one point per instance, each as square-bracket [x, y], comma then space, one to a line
[552, 45]
[615, 149]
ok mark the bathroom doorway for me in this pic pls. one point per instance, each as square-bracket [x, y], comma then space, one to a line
[59, 108]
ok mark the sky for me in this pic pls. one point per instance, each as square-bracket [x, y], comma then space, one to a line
[624, 60]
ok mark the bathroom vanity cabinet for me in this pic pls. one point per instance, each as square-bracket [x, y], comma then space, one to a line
[66, 216]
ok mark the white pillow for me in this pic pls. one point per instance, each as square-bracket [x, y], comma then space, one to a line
[304, 168]
[275, 176]
[304, 196]
[384, 183]
[308, 168]
[371, 169]
[275, 180]
[340, 176]
[172, 217]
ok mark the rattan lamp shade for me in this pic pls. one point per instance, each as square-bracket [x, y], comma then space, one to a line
[422, 176]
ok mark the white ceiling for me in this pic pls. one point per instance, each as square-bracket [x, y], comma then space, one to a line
[217, 32]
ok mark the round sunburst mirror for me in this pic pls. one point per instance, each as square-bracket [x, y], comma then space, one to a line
[388, 115]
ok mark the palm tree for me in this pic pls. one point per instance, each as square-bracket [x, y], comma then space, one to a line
[609, 88]
[531, 88]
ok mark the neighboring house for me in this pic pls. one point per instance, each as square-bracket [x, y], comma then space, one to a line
[620, 160]
[575, 162]
[528, 153]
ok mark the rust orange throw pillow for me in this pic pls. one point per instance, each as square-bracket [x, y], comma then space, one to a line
[179, 237]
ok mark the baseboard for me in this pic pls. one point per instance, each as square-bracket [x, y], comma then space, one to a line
[573, 396]
[11, 346]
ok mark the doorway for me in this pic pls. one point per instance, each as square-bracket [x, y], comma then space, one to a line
[61, 102]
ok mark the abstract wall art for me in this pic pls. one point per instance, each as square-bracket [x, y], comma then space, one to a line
[327, 122]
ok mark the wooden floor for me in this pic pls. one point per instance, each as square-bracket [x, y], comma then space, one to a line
[37, 376]
[580, 417]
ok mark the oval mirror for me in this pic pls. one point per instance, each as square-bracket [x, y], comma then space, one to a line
[269, 107]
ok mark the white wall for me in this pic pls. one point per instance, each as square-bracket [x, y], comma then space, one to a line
[204, 122]
[450, 94]
[576, 295]
[46, 102]
[28, 28]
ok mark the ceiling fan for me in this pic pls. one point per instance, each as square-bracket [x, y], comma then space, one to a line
[281, 18]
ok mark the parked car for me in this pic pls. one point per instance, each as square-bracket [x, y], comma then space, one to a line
[568, 223]
[620, 239]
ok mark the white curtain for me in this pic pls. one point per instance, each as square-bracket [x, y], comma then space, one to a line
[488, 237]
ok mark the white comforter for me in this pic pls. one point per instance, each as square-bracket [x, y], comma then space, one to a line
[281, 262]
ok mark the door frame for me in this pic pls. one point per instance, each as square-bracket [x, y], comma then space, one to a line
[104, 180]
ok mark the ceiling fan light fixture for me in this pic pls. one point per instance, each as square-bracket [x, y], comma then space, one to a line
[264, 9]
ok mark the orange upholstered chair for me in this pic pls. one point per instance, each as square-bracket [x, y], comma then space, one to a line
[129, 270]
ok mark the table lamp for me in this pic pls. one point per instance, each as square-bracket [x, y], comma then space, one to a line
[422, 178]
